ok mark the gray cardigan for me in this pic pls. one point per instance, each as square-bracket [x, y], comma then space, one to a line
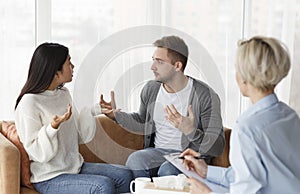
[208, 135]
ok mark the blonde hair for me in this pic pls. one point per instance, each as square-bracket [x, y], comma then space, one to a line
[262, 61]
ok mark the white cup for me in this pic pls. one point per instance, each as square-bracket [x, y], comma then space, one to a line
[139, 183]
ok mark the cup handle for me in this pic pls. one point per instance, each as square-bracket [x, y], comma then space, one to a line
[130, 186]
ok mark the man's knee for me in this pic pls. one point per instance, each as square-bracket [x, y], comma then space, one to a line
[137, 160]
[132, 159]
[168, 169]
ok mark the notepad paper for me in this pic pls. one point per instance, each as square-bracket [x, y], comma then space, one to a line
[173, 158]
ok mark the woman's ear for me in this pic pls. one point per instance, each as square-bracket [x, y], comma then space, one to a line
[57, 75]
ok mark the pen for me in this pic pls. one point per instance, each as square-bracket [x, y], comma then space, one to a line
[196, 157]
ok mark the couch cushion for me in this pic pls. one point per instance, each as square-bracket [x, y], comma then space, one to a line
[111, 138]
[9, 166]
[10, 132]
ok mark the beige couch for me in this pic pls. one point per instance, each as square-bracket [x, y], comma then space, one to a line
[111, 144]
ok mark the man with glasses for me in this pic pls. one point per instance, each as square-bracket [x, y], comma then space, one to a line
[176, 112]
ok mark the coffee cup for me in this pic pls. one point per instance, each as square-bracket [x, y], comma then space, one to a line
[139, 184]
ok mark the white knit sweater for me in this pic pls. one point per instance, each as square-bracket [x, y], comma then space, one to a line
[52, 151]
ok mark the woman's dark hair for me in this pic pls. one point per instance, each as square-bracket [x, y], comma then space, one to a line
[47, 59]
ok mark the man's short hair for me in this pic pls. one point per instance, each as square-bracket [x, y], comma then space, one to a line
[177, 49]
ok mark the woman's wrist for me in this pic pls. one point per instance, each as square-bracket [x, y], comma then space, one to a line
[54, 125]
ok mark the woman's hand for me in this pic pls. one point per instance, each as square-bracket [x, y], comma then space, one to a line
[197, 187]
[198, 165]
[57, 120]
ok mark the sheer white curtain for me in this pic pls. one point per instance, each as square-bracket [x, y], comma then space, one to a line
[17, 42]
[215, 25]
[278, 19]
[295, 78]
[85, 26]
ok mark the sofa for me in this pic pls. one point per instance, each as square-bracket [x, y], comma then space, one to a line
[111, 144]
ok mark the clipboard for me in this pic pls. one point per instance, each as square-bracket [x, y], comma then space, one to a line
[173, 159]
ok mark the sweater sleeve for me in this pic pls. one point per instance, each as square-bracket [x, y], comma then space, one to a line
[136, 121]
[208, 136]
[86, 125]
[39, 141]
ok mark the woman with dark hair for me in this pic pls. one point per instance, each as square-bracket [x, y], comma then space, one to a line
[51, 130]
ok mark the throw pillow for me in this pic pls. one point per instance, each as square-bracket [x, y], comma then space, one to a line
[10, 132]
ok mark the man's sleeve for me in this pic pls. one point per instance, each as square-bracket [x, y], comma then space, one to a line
[209, 139]
[135, 121]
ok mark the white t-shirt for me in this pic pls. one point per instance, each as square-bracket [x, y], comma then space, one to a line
[166, 135]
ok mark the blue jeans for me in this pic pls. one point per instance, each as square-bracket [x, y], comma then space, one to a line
[168, 169]
[94, 178]
[146, 162]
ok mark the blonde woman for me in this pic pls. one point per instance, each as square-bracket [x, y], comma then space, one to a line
[264, 151]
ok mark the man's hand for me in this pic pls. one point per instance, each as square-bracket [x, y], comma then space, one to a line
[57, 120]
[198, 165]
[109, 108]
[197, 186]
[185, 124]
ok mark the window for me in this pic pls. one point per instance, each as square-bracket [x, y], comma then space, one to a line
[110, 44]
[81, 25]
[17, 37]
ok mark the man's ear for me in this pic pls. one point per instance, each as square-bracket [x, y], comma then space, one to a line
[178, 65]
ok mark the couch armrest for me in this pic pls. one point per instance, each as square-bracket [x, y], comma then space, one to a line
[223, 159]
[9, 167]
[111, 144]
